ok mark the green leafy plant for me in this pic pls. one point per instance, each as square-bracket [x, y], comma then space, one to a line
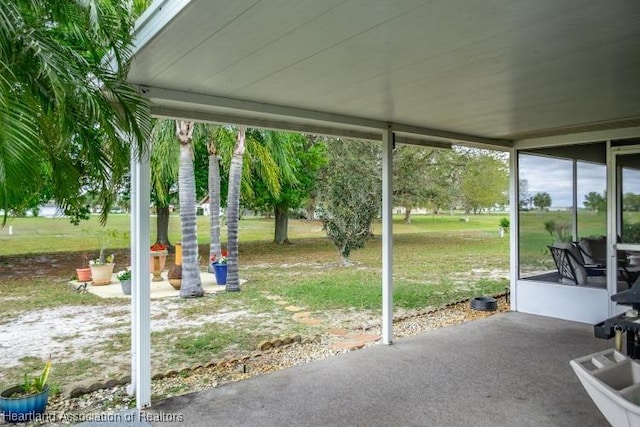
[505, 224]
[561, 230]
[35, 385]
[124, 274]
[103, 260]
[631, 232]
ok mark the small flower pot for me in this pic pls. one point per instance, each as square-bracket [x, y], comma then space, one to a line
[24, 408]
[220, 270]
[84, 274]
[157, 261]
[126, 286]
[175, 276]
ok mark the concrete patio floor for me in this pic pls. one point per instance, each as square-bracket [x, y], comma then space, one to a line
[510, 369]
[160, 289]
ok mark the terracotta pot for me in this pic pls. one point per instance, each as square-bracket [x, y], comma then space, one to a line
[157, 262]
[175, 276]
[178, 260]
[102, 274]
[84, 274]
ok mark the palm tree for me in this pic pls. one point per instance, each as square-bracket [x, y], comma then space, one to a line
[214, 198]
[63, 108]
[191, 285]
[233, 211]
[165, 160]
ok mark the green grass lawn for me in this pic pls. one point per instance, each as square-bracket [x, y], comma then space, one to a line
[437, 260]
[46, 235]
[441, 251]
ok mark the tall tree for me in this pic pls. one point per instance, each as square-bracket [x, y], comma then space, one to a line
[484, 181]
[233, 212]
[165, 161]
[191, 285]
[523, 193]
[542, 200]
[296, 162]
[421, 176]
[215, 249]
[350, 193]
[411, 181]
[63, 109]
[595, 202]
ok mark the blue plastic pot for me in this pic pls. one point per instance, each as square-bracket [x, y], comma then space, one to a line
[220, 270]
[22, 409]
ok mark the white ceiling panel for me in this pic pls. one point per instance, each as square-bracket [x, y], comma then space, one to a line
[500, 69]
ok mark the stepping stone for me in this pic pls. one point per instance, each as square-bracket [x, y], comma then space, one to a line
[281, 302]
[301, 315]
[339, 332]
[365, 337]
[293, 308]
[347, 345]
[310, 321]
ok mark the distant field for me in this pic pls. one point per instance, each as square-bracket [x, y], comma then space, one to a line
[39, 235]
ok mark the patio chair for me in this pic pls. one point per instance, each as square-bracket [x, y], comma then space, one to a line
[593, 249]
[594, 253]
[572, 268]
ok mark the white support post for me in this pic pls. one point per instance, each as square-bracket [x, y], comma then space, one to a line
[133, 228]
[514, 225]
[613, 211]
[140, 284]
[574, 201]
[387, 236]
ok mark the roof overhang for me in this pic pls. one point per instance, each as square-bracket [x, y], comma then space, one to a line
[435, 72]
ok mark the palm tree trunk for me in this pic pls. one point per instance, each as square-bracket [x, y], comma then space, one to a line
[233, 211]
[191, 285]
[214, 204]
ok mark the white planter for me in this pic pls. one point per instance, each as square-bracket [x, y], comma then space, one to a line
[612, 380]
[102, 274]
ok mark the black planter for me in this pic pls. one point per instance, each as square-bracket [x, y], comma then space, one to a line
[22, 409]
[484, 304]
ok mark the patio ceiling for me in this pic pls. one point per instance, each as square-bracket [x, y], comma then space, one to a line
[440, 71]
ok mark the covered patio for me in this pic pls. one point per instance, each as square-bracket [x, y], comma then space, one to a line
[510, 369]
[513, 75]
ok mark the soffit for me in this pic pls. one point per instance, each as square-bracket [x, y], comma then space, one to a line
[502, 69]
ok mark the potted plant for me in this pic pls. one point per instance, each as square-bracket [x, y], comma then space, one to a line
[84, 273]
[504, 226]
[124, 277]
[21, 403]
[175, 273]
[219, 265]
[102, 269]
[158, 258]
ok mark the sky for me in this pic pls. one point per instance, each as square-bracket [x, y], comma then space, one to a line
[554, 176]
